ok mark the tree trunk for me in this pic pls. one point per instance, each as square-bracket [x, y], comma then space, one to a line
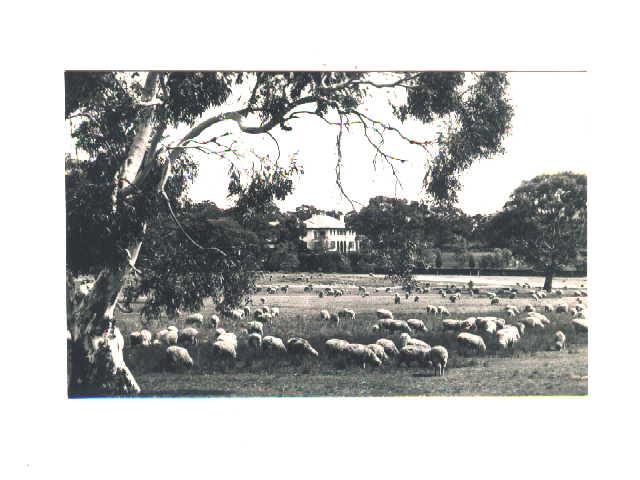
[548, 280]
[97, 361]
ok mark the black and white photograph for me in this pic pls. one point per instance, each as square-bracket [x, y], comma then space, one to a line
[323, 233]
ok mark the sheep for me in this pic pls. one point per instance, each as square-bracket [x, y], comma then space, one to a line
[532, 322]
[224, 349]
[513, 295]
[520, 326]
[453, 298]
[324, 315]
[247, 311]
[300, 347]
[335, 319]
[573, 312]
[255, 327]
[416, 299]
[170, 338]
[507, 337]
[273, 345]
[490, 327]
[547, 308]
[263, 300]
[254, 340]
[580, 324]
[579, 308]
[414, 353]
[214, 321]
[172, 328]
[399, 326]
[379, 351]
[529, 308]
[335, 347]
[347, 313]
[188, 336]
[560, 340]
[228, 337]
[266, 318]
[275, 311]
[539, 316]
[438, 357]
[178, 358]
[265, 309]
[469, 341]
[495, 301]
[195, 319]
[405, 340]
[452, 325]
[396, 299]
[361, 354]
[443, 311]
[416, 324]
[236, 314]
[432, 309]
[443, 294]
[562, 308]
[511, 307]
[389, 347]
[511, 314]
[383, 314]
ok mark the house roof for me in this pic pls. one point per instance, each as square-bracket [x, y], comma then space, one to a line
[324, 221]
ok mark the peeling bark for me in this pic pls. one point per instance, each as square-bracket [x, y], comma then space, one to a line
[97, 361]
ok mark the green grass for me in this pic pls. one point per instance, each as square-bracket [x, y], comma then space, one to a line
[529, 369]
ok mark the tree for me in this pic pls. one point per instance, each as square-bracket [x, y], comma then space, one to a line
[544, 223]
[137, 168]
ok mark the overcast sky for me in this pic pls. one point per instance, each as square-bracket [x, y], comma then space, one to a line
[549, 135]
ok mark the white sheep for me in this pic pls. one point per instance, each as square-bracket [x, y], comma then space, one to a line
[188, 336]
[224, 349]
[398, 326]
[324, 315]
[443, 311]
[335, 347]
[405, 339]
[379, 351]
[470, 341]
[178, 358]
[432, 309]
[228, 337]
[383, 314]
[335, 319]
[170, 338]
[275, 311]
[560, 340]
[507, 337]
[195, 319]
[361, 354]
[513, 308]
[347, 314]
[389, 347]
[255, 327]
[300, 347]
[416, 324]
[414, 353]
[520, 326]
[438, 357]
[273, 345]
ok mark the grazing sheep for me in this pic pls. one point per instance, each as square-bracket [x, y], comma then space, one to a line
[266, 318]
[452, 324]
[188, 336]
[300, 347]
[335, 319]
[224, 349]
[335, 347]
[389, 347]
[532, 322]
[495, 301]
[547, 308]
[347, 313]
[544, 320]
[416, 324]
[432, 309]
[490, 327]
[529, 308]
[214, 321]
[172, 328]
[273, 345]
[399, 326]
[254, 340]
[511, 307]
[275, 311]
[383, 314]
[562, 308]
[379, 351]
[443, 311]
[324, 315]
[170, 338]
[453, 298]
[178, 358]
[255, 327]
[507, 337]
[560, 340]
[414, 353]
[195, 319]
[405, 340]
[416, 299]
[520, 326]
[438, 356]
[361, 354]
[470, 342]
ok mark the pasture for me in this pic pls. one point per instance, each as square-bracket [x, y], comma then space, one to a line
[530, 368]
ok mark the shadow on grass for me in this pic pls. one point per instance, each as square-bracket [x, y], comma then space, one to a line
[182, 392]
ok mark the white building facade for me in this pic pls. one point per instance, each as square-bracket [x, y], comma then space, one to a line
[329, 234]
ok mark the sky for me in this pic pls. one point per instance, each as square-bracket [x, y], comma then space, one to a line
[549, 133]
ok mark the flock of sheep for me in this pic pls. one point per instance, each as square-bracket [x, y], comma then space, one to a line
[467, 333]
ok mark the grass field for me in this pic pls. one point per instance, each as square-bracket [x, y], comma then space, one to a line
[530, 369]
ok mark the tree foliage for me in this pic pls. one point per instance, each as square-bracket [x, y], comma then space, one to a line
[544, 222]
